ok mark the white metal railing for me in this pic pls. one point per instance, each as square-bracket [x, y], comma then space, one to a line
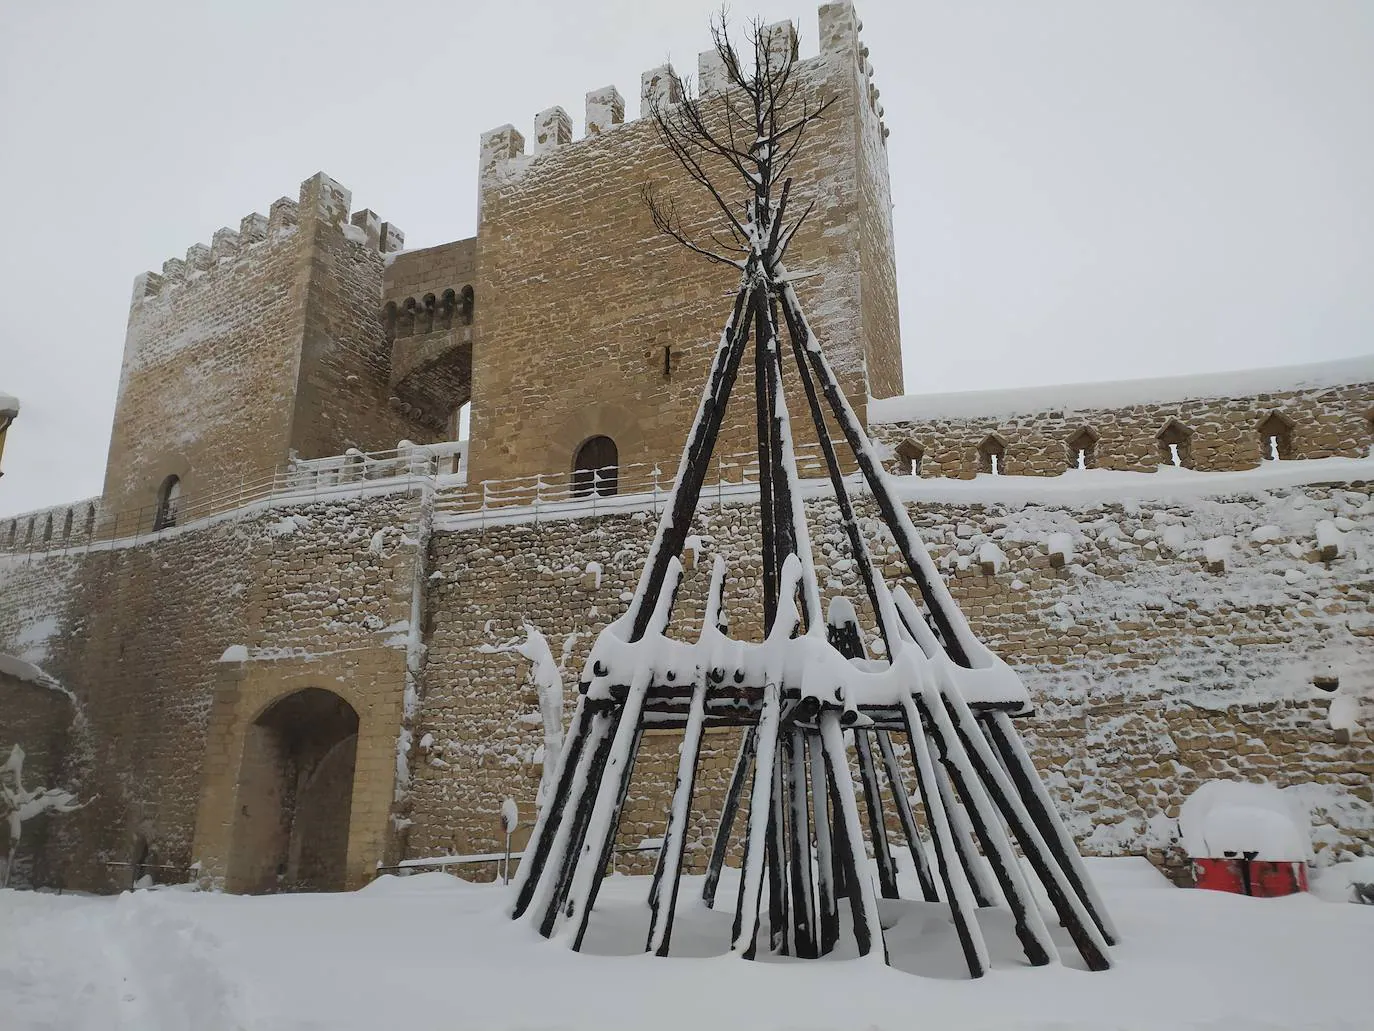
[609, 489]
[626, 488]
[49, 530]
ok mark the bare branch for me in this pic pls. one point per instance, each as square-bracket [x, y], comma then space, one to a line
[753, 129]
[666, 221]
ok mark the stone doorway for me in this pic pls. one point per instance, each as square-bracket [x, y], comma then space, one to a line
[294, 796]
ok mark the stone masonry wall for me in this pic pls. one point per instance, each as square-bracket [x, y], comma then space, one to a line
[430, 270]
[172, 648]
[344, 387]
[269, 340]
[873, 238]
[1150, 673]
[579, 295]
[427, 315]
[1165, 642]
[1226, 428]
[210, 362]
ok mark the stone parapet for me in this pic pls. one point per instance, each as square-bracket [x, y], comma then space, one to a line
[1210, 423]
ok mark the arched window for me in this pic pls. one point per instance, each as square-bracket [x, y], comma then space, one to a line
[1083, 449]
[909, 455]
[90, 519]
[67, 526]
[168, 496]
[47, 528]
[1276, 437]
[465, 305]
[596, 468]
[426, 321]
[14, 530]
[448, 304]
[992, 455]
[1175, 445]
[405, 320]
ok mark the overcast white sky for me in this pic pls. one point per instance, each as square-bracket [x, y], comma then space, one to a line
[1084, 189]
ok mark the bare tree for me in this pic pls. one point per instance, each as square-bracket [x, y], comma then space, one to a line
[751, 133]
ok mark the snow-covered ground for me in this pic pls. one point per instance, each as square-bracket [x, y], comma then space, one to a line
[433, 951]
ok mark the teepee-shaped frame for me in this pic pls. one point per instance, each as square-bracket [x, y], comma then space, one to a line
[796, 691]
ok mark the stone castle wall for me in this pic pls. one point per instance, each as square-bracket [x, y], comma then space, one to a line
[173, 649]
[1150, 674]
[1164, 641]
[209, 365]
[1169, 627]
[579, 295]
[1315, 411]
[427, 318]
[343, 389]
[267, 341]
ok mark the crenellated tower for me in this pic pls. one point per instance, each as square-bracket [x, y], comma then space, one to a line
[266, 342]
[592, 325]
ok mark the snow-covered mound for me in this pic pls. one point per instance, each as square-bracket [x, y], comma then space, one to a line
[1234, 818]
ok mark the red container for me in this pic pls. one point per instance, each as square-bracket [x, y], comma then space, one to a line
[1269, 880]
[1220, 875]
[1257, 877]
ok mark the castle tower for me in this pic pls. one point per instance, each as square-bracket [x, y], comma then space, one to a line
[266, 342]
[593, 325]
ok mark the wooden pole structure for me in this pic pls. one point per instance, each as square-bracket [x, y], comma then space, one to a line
[810, 678]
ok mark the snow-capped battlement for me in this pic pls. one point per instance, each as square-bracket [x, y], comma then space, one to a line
[321, 198]
[991, 404]
[838, 35]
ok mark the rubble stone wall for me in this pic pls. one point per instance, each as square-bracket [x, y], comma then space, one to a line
[1164, 643]
[1152, 668]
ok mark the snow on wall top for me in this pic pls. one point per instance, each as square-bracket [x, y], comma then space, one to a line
[975, 404]
[503, 148]
[1227, 817]
[9, 404]
[320, 195]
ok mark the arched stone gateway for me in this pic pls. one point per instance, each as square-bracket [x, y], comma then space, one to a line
[294, 797]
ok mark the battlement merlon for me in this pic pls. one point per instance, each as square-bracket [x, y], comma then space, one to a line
[552, 129]
[605, 108]
[838, 29]
[321, 200]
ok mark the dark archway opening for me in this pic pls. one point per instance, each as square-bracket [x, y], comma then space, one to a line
[596, 468]
[295, 795]
[168, 499]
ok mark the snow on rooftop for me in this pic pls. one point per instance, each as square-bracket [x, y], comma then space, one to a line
[1102, 486]
[974, 404]
[9, 404]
